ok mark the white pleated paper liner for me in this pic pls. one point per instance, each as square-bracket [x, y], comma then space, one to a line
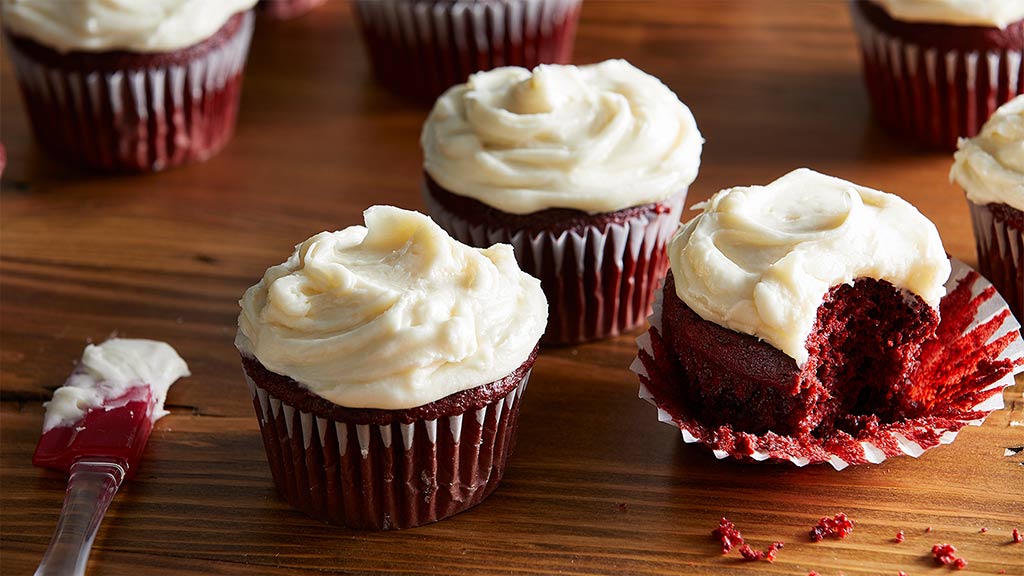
[390, 476]
[599, 281]
[978, 342]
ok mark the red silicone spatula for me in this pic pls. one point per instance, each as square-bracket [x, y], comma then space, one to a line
[102, 447]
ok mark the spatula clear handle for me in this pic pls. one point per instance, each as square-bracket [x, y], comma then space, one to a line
[91, 488]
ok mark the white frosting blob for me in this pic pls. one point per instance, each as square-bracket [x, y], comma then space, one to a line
[993, 13]
[990, 166]
[107, 371]
[595, 138]
[392, 315]
[760, 260]
[133, 25]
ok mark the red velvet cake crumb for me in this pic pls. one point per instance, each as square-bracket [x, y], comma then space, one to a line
[902, 573]
[928, 529]
[899, 537]
[983, 530]
[1017, 537]
[839, 526]
[727, 534]
[946, 554]
[755, 555]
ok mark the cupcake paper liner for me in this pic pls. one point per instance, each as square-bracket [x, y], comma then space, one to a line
[931, 94]
[1000, 255]
[386, 477]
[964, 369]
[136, 119]
[420, 48]
[599, 282]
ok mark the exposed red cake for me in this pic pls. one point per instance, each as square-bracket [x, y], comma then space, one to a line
[386, 469]
[999, 236]
[599, 271]
[133, 111]
[420, 48]
[864, 344]
[932, 83]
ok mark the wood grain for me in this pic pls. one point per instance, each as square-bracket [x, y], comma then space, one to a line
[597, 485]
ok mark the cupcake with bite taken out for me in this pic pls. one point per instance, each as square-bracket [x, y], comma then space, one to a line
[129, 86]
[937, 69]
[990, 168]
[808, 320]
[387, 364]
[583, 169]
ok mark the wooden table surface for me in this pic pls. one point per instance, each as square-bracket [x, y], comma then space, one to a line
[597, 484]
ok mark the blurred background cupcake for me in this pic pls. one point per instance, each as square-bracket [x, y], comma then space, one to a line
[419, 48]
[286, 9]
[990, 168]
[387, 365]
[131, 86]
[937, 69]
[583, 170]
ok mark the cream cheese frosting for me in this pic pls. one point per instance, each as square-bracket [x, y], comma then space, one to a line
[133, 25]
[596, 138]
[106, 371]
[392, 315]
[990, 166]
[761, 259]
[991, 13]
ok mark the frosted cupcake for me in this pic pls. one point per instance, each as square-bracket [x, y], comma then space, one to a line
[387, 365]
[936, 69]
[132, 86]
[419, 48]
[990, 168]
[808, 320]
[583, 169]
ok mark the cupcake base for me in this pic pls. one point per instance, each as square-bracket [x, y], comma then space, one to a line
[999, 234]
[599, 272]
[934, 83]
[127, 111]
[386, 469]
[959, 379]
[420, 48]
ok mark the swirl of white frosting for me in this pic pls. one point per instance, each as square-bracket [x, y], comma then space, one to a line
[595, 138]
[990, 166]
[992, 13]
[760, 260]
[392, 315]
[133, 25]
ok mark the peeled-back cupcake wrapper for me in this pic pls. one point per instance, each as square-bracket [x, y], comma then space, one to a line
[982, 330]
[420, 48]
[933, 95]
[136, 119]
[1000, 255]
[386, 477]
[599, 283]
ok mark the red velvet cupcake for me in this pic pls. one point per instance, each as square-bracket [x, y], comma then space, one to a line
[583, 170]
[137, 90]
[813, 320]
[935, 71]
[387, 365]
[419, 48]
[287, 9]
[990, 168]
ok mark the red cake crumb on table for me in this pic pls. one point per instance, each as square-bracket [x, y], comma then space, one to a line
[946, 554]
[728, 534]
[983, 530]
[1017, 538]
[755, 555]
[840, 526]
[813, 573]
[928, 529]
[902, 573]
[899, 537]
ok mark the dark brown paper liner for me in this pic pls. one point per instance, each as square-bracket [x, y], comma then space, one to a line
[419, 48]
[1000, 255]
[599, 282]
[386, 477]
[138, 119]
[934, 94]
[974, 355]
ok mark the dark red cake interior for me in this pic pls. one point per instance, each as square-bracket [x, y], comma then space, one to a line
[864, 345]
